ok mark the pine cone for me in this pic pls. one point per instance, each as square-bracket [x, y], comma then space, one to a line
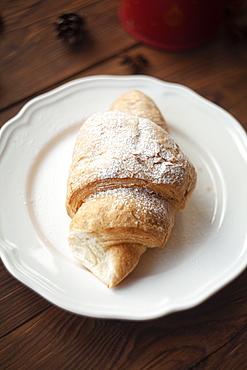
[136, 62]
[70, 27]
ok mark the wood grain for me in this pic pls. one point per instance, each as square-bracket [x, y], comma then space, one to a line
[227, 89]
[38, 335]
[18, 303]
[30, 48]
[179, 341]
[230, 356]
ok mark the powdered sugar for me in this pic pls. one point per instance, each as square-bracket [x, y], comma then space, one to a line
[117, 145]
[145, 201]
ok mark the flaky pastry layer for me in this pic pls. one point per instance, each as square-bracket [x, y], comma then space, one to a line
[127, 180]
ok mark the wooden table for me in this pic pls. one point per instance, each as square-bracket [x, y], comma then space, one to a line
[34, 333]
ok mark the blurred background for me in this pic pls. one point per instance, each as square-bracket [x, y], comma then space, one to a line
[40, 49]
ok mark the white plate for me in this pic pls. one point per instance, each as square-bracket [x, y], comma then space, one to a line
[208, 246]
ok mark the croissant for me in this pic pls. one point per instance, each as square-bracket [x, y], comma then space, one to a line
[127, 180]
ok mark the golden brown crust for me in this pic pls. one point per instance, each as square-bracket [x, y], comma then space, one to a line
[127, 179]
[126, 215]
[114, 227]
[138, 104]
[115, 150]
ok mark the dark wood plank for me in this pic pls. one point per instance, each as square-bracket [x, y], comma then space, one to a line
[221, 78]
[32, 58]
[230, 356]
[59, 339]
[18, 303]
[19, 307]
[25, 12]
[7, 283]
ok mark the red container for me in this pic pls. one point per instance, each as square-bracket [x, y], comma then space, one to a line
[172, 24]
